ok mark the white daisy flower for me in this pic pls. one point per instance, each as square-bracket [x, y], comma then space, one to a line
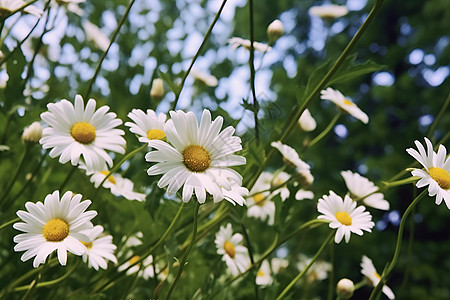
[260, 205]
[71, 5]
[96, 35]
[360, 187]
[207, 79]
[344, 215]
[75, 130]
[99, 249]
[236, 194]
[344, 103]
[7, 7]
[144, 268]
[306, 121]
[304, 194]
[148, 126]
[437, 171]
[229, 245]
[263, 276]
[53, 225]
[236, 42]
[280, 180]
[329, 11]
[118, 185]
[198, 157]
[279, 264]
[368, 270]
[318, 271]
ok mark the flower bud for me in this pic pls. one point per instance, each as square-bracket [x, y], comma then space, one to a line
[32, 133]
[345, 288]
[306, 121]
[275, 30]
[157, 90]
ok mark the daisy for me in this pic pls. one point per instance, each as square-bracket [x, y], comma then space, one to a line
[75, 130]
[437, 171]
[148, 126]
[53, 225]
[318, 270]
[344, 215]
[344, 103]
[360, 187]
[197, 158]
[99, 249]
[304, 194]
[207, 79]
[235, 194]
[263, 275]
[306, 121]
[259, 204]
[368, 270]
[233, 253]
[236, 42]
[279, 264]
[279, 180]
[118, 185]
[144, 268]
[7, 7]
[329, 11]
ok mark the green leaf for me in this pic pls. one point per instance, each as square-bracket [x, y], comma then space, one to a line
[14, 88]
[350, 69]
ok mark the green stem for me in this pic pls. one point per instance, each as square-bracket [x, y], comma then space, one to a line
[113, 38]
[331, 283]
[9, 223]
[11, 184]
[389, 268]
[252, 260]
[186, 253]
[439, 116]
[252, 70]
[197, 54]
[326, 130]
[117, 166]
[301, 274]
[292, 122]
[66, 180]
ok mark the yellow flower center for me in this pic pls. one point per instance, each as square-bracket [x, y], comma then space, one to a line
[343, 218]
[377, 275]
[259, 199]
[229, 249]
[55, 230]
[348, 102]
[260, 273]
[441, 176]
[87, 244]
[83, 132]
[110, 178]
[196, 158]
[155, 134]
[134, 259]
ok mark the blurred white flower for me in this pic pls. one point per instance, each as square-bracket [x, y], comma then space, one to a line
[263, 276]
[237, 42]
[71, 5]
[144, 268]
[275, 30]
[7, 7]
[94, 34]
[345, 288]
[32, 133]
[157, 90]
[329, 11]
[368, 270]
[207, 79]
[260, 204]
[344, 103]
[318, 270]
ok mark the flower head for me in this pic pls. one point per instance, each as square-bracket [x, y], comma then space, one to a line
[345, 288]
[263, 276]
[344, 103]
[437, 170]
[71, 5]
[99, 249]
[318, 270]
[75, 130]
[53, 225]
[7, 7]
[237, 42]
[33, 133]
[229, 245]
[196, 157]
[236, 194]
[368, 270]
[344, 215]
[259, 203]
[329, 11]
[144, 268]
[290, 156]
[148, 126]
[360, 187]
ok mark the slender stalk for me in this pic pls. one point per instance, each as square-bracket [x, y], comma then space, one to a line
[252, 70]
[197, 54]
[439, 116]
[66, 180]
[21, 165]
[291, 123]
[186, 253]
[301, 274]
[326, 130]
[331, 283]
[389, 268]
[113, 38]
[252, 260]
[9, 223]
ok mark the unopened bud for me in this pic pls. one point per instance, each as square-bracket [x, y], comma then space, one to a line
[157, 90]
[32, 133]
[275, 30]
[306, 121]
[345, 288]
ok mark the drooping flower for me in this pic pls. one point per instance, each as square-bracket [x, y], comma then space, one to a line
[318, 270]
[360, 187]
[53, 225]
[437, 171]
[99, 249]
[78, 131]
[144, 268]
[196, 157]
[304, 194]
[329, 11]
[306, 121]
[344, 103]
[236, 42]
[344, 216]
[229, 245]
[368, 270]
[148, 126]
[7, 7]
[260, 204]
[263, 276]
[207, 79]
